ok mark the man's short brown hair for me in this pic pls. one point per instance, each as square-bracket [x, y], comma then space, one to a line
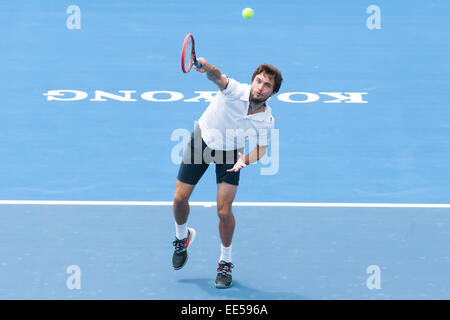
[271, 71]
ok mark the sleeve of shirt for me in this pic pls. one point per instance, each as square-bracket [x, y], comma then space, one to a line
[265, 134]
[233, 90]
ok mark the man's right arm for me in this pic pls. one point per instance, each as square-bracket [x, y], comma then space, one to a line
[213, 74]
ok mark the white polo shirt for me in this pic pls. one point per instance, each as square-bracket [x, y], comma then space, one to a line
[225, 124]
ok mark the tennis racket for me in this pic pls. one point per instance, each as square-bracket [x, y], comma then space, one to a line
[188, 57]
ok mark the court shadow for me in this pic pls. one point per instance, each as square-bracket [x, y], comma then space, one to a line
[240, 291]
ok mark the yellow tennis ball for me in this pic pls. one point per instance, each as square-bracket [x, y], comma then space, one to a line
[247, 13]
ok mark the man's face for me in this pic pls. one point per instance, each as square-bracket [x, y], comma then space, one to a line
[262, 88]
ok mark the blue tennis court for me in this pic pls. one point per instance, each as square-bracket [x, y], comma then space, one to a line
[95, 108]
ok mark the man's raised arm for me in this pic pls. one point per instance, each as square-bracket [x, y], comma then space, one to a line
[213, 74]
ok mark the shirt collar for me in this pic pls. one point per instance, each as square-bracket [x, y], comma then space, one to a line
[260, 116]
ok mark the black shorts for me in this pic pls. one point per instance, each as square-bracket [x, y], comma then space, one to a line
[198, 156]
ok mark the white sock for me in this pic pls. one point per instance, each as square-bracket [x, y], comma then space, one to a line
[225, 253]
[181, 231]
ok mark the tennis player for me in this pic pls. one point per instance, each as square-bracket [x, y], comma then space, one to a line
[238, 111]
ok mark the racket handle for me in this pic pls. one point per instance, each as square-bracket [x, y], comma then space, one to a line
[197, 64]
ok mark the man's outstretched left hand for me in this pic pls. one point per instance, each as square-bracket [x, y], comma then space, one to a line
[239, 164]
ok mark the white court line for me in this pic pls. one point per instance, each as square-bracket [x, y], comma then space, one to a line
[237, 204]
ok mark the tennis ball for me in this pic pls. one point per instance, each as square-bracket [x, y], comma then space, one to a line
[247, 13]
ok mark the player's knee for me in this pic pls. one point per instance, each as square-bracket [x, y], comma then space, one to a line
[180, 199]
[182, 193]
[181, 196]
[224, 211]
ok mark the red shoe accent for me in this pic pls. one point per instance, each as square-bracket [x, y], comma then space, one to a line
[186, 244]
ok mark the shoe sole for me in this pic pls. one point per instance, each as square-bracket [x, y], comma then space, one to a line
[222, 286]
[193, 234]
